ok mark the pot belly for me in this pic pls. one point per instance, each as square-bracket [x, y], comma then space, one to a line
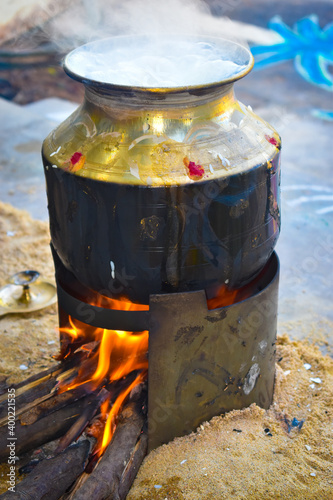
[123, 239]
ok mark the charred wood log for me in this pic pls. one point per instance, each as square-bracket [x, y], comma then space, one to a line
[117, 468]
[28, 393]
[55, 402]
[53, 415]
[81, 423]
[50, 427]
[3, 385]
[111, 391]
[32, 390]
[132, 467]
[52, 477]
[43, 417]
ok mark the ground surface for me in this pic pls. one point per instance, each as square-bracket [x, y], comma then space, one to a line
[253, 453]
[265, 457]
[27, 341]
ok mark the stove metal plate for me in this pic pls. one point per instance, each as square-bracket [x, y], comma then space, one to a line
[206, 362]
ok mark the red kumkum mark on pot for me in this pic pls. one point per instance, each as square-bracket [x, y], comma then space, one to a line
[76, 162]
[194, 171]
[271, 140]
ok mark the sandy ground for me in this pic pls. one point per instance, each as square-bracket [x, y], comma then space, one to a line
[283, 453]
[27, 341]
[253, 453]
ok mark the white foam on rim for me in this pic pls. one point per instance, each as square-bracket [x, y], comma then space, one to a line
[158, 63]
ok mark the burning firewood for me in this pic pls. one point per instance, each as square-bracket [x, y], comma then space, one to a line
[39, 387]
[44, 414]
[48, 428]
[115, 472]
[96, 393]
[28, 392]
[81, 423]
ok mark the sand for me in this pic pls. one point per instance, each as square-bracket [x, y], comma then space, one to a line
[27, 341]
[265, 460]
[248, 454]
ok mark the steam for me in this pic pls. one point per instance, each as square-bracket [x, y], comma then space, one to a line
[155, 61]
[87, 20]
[90, 20]
[76, 22]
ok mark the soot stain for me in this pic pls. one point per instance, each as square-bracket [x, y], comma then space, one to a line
[215, 319]
[187, 334]
[71, 210]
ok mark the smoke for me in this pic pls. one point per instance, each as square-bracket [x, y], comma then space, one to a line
[70, 23]
[102, 18]
[142, 16]
[87, 20]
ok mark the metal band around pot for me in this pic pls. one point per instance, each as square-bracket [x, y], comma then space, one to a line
[111, 319]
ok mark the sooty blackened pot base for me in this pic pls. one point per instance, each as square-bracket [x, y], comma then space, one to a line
[139, 240]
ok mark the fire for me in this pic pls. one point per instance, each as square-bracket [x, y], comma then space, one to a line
[224, 297]
[120, 357]
[110, 423]
[112, 355]
[73, 331]
[124, 347]
[122, 304]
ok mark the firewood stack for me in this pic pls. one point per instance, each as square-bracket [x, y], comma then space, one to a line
[71, 421]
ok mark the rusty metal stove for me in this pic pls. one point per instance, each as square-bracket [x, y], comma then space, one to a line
[201, 362]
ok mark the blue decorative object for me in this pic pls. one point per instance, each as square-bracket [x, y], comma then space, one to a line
[323, 114]
[310, 46]
[294, 423]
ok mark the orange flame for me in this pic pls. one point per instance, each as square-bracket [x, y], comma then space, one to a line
[122, 303]
[225, 297]
[73, 331]
[119, 353]
[110, 426]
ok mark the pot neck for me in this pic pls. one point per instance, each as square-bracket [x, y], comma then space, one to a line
[171, 103]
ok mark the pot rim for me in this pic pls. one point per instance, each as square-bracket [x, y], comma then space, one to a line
[236, 50]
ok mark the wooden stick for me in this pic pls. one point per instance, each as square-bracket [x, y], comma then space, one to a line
[37, 377]
[32, 381]
[28, 394]
[132, 467]
[104, 482]
[51, 478]
[52, 426]
[3, 385]
[40, 387]
[111, 391]
[42, 405]
[41, 377]
[32, 390]
[53, 403]
[81, 423]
